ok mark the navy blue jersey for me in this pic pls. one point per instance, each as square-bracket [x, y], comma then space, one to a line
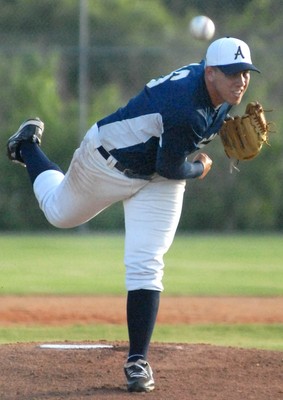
[169, 119]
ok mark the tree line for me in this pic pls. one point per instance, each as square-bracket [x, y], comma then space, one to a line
[129, 43]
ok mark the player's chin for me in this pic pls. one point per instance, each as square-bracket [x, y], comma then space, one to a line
[235, 100]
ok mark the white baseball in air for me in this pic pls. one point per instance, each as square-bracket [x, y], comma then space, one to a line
[202, 27]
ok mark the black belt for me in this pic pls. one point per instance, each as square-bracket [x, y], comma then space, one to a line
[106, 155]
[128, 172]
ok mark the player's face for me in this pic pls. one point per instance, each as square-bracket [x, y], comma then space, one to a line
[226, 88]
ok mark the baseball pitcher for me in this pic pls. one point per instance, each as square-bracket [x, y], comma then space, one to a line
[140, 156]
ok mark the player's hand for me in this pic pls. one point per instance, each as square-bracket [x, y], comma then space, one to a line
[206, 162]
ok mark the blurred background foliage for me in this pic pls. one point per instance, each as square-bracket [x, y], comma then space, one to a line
[74, 61]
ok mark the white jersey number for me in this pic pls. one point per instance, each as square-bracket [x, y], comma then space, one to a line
[174, 76]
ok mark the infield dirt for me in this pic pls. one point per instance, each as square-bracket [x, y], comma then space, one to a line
[181, 371]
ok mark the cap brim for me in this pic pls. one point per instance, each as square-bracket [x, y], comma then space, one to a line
[237, 67]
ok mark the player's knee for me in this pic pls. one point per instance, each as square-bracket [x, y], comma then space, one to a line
[59, 222]
[144, 279]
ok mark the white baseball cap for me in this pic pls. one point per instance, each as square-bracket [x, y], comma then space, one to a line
[230, 55]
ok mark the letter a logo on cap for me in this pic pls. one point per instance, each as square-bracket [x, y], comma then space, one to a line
[230, 55]
[239, 53]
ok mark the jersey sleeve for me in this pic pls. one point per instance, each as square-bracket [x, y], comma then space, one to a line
[174, 147]
[186, 170]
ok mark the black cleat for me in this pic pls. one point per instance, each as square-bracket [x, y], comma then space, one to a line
[30, 131]
[139, 376]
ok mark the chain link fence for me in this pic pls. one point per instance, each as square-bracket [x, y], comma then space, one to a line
[73, 61]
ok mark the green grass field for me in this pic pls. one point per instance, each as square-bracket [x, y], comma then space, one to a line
[238, 265]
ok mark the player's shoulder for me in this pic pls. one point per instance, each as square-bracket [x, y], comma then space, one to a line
[179, 75]
[189, 76]
[197, 68]
[189, 71]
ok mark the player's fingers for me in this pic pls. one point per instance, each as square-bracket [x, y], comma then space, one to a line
[206, 161]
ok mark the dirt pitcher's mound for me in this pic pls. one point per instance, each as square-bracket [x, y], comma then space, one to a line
[181, 371]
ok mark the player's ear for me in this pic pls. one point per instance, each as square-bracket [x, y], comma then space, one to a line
[210, 73]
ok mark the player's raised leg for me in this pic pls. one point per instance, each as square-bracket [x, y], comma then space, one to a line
[89, 186]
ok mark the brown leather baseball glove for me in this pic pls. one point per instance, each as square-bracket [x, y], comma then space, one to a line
[243, 137]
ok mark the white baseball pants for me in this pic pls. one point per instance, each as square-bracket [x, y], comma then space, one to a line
[152, 208]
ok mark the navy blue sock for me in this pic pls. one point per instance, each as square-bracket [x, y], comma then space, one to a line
[142, 309]
[35, 160]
